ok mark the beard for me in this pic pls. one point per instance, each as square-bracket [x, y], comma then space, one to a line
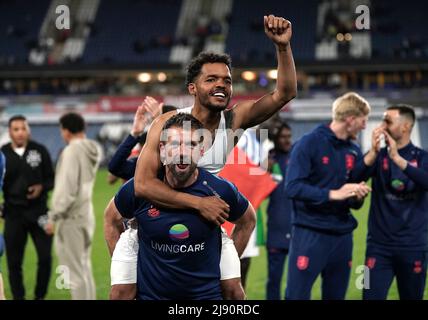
[20, 142]
[182, 175]
[395, 136]
[205, 101]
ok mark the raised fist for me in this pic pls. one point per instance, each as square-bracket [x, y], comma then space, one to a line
[278, 29]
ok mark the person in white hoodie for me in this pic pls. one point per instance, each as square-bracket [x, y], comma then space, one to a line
[72, 210]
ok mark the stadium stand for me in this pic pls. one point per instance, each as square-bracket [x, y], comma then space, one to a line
[246, 42]
[123, 38]
[397, 30]
[20, 23]
[132, 32]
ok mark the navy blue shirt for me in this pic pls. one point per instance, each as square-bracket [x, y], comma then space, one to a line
[280, 207]
[119, 164]
[2, 170]
[398, 215]
[179, 252]
[320, 162]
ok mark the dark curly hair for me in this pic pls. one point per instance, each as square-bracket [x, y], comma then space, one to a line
[195, 65]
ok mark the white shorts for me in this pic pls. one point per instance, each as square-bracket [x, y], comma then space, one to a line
[123, 268]
[125, 255]
[230, 265]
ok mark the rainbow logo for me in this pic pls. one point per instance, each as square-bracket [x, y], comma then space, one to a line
[178, 232]
[397, 184]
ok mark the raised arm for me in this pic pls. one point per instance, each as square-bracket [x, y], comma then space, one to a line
[148, 186]
[251, 113]
[120, 165]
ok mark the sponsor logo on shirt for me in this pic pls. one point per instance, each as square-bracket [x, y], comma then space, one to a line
[385, 164]
[178, 232]
[153, 212]
[302, 262]
[177, 248]
[34, 158]
[397, 184]
[413, 163]
[349, 161]
[325, 160]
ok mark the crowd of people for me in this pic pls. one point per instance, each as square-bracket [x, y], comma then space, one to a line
[163, 227]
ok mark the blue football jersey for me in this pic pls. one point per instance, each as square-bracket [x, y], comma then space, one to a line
[179, 251]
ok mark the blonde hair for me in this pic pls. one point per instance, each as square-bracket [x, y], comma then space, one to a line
[350, 104]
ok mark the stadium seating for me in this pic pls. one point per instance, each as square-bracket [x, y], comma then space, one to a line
[397, 32]
[20, 23]
[246, 40]
[143, 31]
[119, 25]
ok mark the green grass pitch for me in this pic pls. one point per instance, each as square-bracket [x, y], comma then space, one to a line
[101, 260]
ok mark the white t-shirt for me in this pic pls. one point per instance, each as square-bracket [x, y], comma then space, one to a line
[19, 151]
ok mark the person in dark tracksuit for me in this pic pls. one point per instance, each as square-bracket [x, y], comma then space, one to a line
[278, 213]
[29, 176]
[2, 170]
[397, 240]
[319, 181]
[121, 165]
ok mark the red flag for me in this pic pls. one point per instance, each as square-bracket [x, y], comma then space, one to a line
[252, 181]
